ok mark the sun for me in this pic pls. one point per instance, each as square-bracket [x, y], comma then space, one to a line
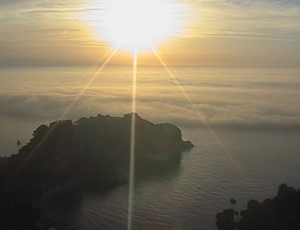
[135, 23]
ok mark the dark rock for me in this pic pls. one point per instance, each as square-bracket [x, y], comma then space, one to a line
[232, 201]
[3, 162]
[225, 220]
[284, 190]
[253, 205]
[280, 213]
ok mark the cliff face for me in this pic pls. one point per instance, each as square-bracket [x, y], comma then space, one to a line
[94, 150]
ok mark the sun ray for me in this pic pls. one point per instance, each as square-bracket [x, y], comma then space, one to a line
[199, 114]
[106, 57]
[132, 142]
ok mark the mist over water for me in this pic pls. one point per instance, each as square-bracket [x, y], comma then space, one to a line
[246, 132]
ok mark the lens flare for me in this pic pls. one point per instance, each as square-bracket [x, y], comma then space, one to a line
[135, 23]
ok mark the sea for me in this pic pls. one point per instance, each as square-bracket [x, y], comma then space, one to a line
[244, 123]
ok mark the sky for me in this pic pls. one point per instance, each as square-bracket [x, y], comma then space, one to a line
[230, 33]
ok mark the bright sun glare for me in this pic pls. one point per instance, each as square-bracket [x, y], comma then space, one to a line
[135, 23]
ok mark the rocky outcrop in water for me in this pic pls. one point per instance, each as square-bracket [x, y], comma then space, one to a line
[93, 152]
[280, 213]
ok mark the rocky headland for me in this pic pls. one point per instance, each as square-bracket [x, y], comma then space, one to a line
[91, 153]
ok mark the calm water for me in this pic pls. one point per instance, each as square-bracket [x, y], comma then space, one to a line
[245, 124]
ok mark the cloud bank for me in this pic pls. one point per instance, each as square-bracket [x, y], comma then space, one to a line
[250, 100]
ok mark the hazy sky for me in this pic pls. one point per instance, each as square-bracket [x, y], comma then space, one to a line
[215, 33]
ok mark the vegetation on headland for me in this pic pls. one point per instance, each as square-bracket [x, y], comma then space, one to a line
[91, 153]
[280, 213]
